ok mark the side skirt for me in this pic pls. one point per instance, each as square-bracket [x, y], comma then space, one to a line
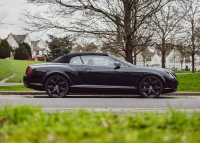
[103, 87]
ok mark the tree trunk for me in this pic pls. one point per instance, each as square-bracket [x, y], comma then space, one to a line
[163, 51]
[181, 65]
[135, 57]
[193, 70]
[144, 60]
[163, 59]
[193, 44]
[129, 55]
[127, 31]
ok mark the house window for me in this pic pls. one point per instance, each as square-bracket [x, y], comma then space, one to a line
[37, 53]
[173, 67]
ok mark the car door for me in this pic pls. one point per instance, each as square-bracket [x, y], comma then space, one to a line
[75, 71]
[100, 71]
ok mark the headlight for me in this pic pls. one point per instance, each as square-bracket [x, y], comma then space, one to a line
[171, 75]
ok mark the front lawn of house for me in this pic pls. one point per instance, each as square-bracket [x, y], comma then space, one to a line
[10, 67]
[189, 82]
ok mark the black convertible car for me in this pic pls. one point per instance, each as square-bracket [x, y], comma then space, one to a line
[98, 71]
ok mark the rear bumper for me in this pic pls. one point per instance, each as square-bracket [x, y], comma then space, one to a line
[35, 86]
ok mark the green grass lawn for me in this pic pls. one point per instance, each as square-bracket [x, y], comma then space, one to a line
[15, 88]
[10, 67]
[189, 82]
[182, 71]
[26, 124]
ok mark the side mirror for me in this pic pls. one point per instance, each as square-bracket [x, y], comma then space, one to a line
[117, 64]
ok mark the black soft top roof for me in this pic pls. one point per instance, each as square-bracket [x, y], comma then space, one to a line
[66, 58]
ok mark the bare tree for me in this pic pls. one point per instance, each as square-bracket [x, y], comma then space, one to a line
[146, 55]
[2, 18]
[119, 20]
[181, 53]
[166, 24]
[191, 37]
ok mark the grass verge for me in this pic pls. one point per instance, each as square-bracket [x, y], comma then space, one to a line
[26, 124]
[15, 88]
[10, 67]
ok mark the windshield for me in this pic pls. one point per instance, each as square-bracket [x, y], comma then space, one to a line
[122, 61]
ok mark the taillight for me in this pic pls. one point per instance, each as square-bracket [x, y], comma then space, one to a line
[28, 70]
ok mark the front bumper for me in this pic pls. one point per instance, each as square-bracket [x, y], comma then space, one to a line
[171, 85]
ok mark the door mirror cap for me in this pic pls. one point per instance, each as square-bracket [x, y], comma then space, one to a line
[117, 64]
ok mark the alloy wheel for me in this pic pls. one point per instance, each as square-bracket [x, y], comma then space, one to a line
[150, 87]
[56, 86]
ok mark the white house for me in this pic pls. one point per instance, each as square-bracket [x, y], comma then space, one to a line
[38, 48]
[15, 40]
[173, 60]
[155, 60]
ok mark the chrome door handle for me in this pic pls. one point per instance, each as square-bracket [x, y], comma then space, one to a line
[87, 69]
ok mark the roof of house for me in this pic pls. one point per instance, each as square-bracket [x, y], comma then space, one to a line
[148, 54]
[19, 38]
[88, 48]
[35, 46]
[77, 48]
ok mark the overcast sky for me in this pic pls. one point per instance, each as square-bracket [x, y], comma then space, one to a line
[14, 9]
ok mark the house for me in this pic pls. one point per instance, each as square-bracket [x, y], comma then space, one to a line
[88, 48]
[174, 60]
[39, 48]
[76, 49]
[15, 40]
[144, 58]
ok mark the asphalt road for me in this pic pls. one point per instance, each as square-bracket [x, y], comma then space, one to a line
[120, 103]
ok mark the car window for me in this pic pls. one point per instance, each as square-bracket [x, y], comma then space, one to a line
[76, 60]
[122, 61]
[98, 60]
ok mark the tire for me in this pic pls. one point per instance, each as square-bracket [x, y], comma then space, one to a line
[56, 86]
[150, 87]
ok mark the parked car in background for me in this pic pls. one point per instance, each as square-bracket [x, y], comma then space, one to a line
[98, 71]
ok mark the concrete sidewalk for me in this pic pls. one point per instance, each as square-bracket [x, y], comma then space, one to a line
[10, 84]
[4, 83]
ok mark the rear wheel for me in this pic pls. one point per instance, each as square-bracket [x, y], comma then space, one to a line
[150, 87]
[56, 86]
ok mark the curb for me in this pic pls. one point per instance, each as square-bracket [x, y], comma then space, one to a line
[44, 93]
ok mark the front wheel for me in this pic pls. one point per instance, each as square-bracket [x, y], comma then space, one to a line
[150, 87]
[56, 86]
